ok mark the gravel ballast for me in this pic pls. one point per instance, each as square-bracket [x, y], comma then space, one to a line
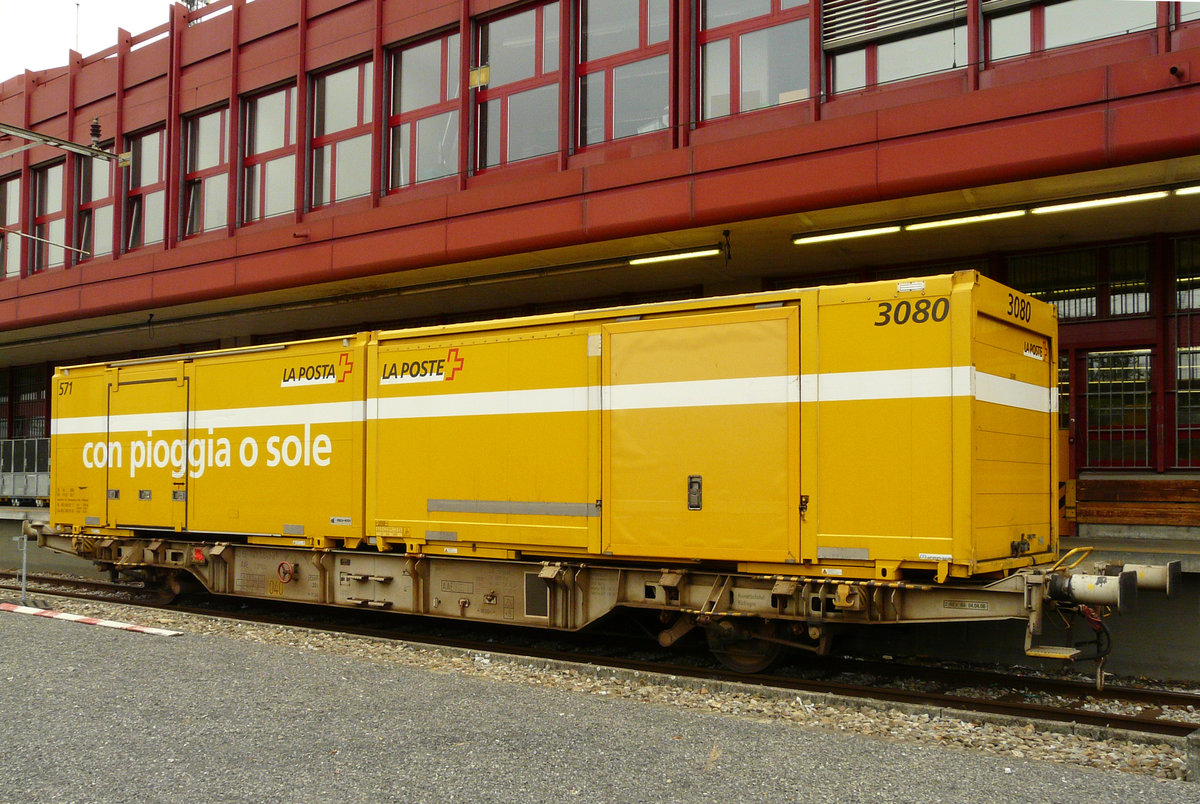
[232, 712]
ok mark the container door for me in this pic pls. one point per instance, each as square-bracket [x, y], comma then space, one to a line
[148, 411]
[701, 436]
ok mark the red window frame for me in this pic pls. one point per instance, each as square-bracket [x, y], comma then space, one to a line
[449, 100]
[10, 239]
[88, 207]
[200, 182]
[734, 32]
[608, 64]
[139, 197]
[48, 239]
[324, 144]
[255, 163]
[541, 78]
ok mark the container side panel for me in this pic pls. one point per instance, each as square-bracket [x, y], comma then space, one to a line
[1013, 438]
[887, 390]
[147, 416]
[278, 441]
[80, 449]
[487, 440]
[702, 436]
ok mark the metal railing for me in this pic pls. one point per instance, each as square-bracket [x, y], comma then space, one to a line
[24, 469]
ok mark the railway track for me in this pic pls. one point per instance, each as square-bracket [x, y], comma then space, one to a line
[969, 690]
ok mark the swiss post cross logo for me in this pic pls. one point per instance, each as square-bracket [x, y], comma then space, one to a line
[442, 369]
[317, 373]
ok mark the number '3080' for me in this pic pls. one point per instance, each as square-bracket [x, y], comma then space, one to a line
[918, 312]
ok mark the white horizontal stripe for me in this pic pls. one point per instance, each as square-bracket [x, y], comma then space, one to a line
[960, 381]
[1015, 394]
[703, 393]
[266, 416]
[484, 403]
[856, 386]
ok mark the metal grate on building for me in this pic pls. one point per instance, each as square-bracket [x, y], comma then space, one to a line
[1118, 404]
[850, 22]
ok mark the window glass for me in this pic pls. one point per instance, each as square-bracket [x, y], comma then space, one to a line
[453, 56]
[336, 101]
[659, 21]
[206, 182]
[424, 109]
[509, 43]
[1010, 35]
[591, 107]
[714, 78]
[155, 219]
[280, 186]
[10, 218]
[1076, 21]
[98, 174]
[533, 123]
[353, 167]
[420, 77]
[550, 24]
[146, 160]
[489, 129]
[640, 97]
[774, 66]
[922, 54]
[715, 13]
[1189, 12]
[609, 27]
[49, 189]
[204, 146]
[793, 3]
[437, 146]
[268, 126]
[401, 153]
[102, 226]
[849, 70]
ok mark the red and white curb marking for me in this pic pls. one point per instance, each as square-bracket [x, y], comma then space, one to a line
[78, 618]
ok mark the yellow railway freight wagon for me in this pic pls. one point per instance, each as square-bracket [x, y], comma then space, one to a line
[878, 452]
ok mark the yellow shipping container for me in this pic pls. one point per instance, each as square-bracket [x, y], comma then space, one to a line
[863, 431]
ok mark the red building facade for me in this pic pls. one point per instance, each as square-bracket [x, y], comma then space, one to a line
[306, 166]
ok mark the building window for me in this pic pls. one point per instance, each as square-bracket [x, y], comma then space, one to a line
[145, 219]
[10, 221]
[341, 135]
[874, 41]
[30, 407]
[1187, 407]
[49, 217]
[1188, 12]
[206, 176]
[1103, 282]
[94, 224]
[1187, 273]
[1043, 26]
[624, 68]
[1118, 404]
[269, 161]
[753, 54]
[424, 115]
[517, 102]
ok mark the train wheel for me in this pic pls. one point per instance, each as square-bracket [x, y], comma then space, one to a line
[744, 648]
